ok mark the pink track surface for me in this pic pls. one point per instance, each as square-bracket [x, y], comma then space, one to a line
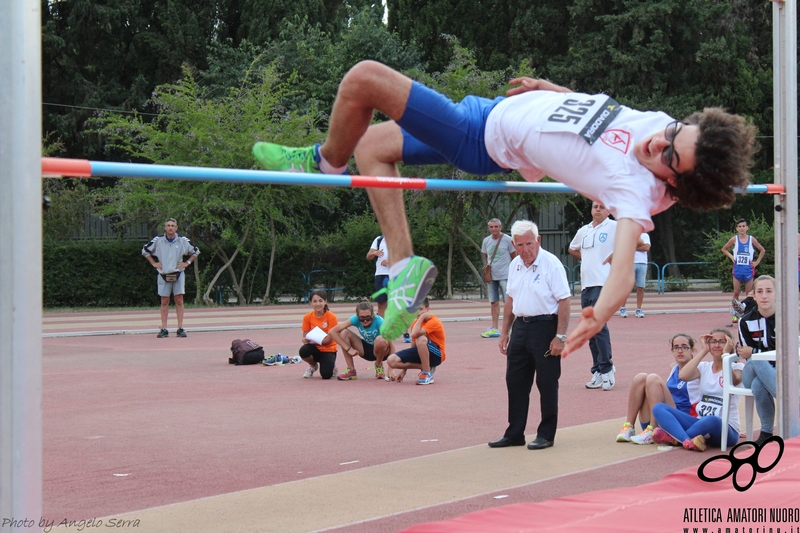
[679, 501]
[183, 424]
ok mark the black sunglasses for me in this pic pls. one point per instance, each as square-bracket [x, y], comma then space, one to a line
[365, 318]
[670, 132]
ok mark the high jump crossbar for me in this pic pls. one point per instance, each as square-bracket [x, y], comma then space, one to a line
[83, 168]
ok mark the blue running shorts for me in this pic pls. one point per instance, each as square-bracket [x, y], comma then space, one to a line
[437, 131]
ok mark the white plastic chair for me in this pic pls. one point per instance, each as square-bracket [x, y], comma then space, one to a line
[728, 391]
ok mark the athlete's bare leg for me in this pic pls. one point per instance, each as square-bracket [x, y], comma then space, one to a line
[368, 86]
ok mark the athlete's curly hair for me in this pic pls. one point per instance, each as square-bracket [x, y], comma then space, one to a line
[723, 157]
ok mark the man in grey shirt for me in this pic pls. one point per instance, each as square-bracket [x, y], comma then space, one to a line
[167, 253]
[498, 251]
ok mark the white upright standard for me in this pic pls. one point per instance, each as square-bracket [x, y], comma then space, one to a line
[784, 40]
[20, 265]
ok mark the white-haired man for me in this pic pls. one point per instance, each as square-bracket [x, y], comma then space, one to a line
[537, 304]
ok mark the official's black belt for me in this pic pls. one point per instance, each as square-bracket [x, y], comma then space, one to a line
[537, 318]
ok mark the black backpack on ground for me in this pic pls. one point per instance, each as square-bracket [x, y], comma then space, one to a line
[246, 352]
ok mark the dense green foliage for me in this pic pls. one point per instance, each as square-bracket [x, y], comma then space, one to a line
[196, 84]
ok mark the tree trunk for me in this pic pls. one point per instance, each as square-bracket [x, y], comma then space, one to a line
[265, 300]
[228, 263]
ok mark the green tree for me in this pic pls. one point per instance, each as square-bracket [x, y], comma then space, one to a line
[232, 221]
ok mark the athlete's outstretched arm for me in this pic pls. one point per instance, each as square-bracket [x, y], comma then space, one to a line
[533, 84]
[615, 290]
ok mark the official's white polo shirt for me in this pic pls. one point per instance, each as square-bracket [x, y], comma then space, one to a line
[596, 243]
[536, 290]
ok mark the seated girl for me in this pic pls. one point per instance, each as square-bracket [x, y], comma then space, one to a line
[677, 428]
[649, 389]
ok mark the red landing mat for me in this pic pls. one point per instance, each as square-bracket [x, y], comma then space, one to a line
[678, 503]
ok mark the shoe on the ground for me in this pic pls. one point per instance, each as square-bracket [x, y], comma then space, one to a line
[309, 373]
[639, 313]
[623, 313]
[607, 380]
[734, 319]
[596, 381]
[504, 442]
[762, 438]
[645, 437]
[181, 332]
[697, 444]
[491, 332]
[425, 378]
[163, 333]
[406, 337]
[379, 373]
[662, 437]
[539, 444]
[347, 375]
[625, 433]
[406, 292]
[274, 360]
[276, 157]
[296, 360]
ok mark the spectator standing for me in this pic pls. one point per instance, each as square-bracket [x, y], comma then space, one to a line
[537, 304]
[380, 253]
[640, 273]
[593, 246]
[168, 254]
[498, 251]
[744, 265]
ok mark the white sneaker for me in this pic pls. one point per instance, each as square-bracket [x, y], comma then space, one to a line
[607, 380]
[309, 373]
[623, 313]
[639, 313]
[596, 382]
[645, 437]
[626, 433]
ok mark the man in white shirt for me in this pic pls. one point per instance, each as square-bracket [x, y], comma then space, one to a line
[497, 250]
[380, 253]
[537, 304]
[640, 274]
[636, 163]
[593, 246]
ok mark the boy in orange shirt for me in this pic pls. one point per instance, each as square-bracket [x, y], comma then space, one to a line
[427, 352]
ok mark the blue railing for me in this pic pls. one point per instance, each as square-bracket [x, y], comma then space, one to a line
[662, 284]
[331, 291]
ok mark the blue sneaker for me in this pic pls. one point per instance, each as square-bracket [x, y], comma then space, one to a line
[425, 378]
[406, 292]
[274, 360]
[276, 157]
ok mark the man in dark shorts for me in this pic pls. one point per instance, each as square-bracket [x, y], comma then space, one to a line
[427, 352]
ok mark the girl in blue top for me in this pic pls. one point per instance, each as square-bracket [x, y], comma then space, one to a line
[368, 343]
[649, 389]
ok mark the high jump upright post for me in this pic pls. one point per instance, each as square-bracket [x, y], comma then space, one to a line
[20, 265]
[784, 66]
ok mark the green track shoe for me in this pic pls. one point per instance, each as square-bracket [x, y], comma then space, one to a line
[405, 294]
[276, 157]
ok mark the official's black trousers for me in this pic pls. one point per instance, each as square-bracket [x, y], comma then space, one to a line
[525, 360]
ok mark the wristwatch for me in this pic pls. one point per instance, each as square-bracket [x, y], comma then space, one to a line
[562, 338]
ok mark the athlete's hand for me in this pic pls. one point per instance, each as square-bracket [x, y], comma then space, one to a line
[533, 84]
[587, 328]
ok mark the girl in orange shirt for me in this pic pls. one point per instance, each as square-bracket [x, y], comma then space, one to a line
[322, 356]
